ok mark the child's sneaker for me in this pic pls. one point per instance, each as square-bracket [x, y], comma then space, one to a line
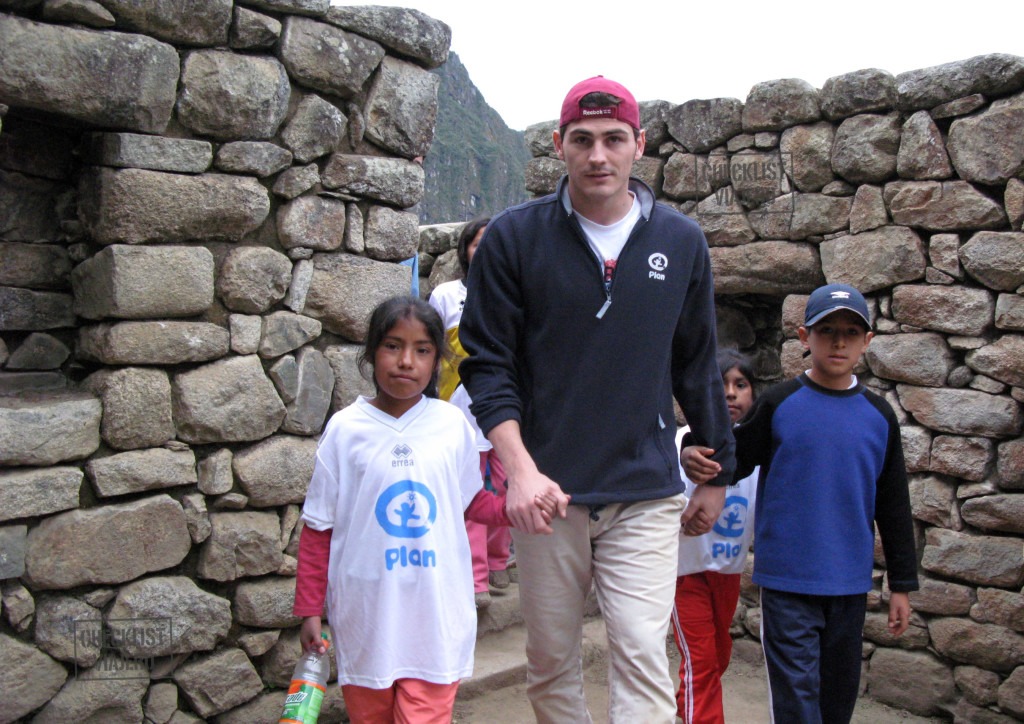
[483, 599]
[498, 579]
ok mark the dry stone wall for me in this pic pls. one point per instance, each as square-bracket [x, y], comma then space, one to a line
[200, 202]
[910, 188]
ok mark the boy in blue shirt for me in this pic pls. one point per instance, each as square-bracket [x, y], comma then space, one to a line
[831, 467]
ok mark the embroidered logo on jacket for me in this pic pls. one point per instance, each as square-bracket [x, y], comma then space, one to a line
[658, 262]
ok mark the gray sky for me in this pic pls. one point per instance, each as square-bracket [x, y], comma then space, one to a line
[525, 55]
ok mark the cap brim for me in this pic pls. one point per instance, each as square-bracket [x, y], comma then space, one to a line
[821, 315]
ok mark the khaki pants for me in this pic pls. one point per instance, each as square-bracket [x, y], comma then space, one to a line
[630, 552]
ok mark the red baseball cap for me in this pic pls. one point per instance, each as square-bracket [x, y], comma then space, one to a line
[627, 111]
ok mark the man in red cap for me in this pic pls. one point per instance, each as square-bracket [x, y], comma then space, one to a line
[587, 311]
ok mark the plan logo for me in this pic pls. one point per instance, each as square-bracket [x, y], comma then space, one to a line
[406, 509]
[658, 262]
[733, 520]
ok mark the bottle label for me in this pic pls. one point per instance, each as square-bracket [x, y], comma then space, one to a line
[302, 705]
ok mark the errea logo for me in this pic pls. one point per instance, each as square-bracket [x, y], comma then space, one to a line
[658, 262]
[401, 453]
[840, 295]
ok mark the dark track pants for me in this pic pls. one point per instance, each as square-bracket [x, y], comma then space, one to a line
[812, 649]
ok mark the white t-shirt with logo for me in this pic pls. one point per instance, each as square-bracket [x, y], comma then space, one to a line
[400, 578]
[607, 241]
[724, 548]
[448, 299]
[461, 399]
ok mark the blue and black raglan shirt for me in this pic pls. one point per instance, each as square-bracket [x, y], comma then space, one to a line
[831, 467]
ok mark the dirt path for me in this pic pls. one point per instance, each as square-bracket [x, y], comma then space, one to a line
[746, 700]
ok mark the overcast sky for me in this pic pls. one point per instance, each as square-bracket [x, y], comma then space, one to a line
[524, 55]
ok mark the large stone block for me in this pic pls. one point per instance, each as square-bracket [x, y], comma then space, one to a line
[996, 259]
[918, 359]
[942, 206]
[542, 174]
[29, 678]
[326, 58]
[218, 682]
[778, 104]
[985, 645]
[922, 153]
[390, 180]
[316, 128]
[312, 8]
[1011, 464]
[58, 620]
[346, 288]
[199, 620]
[48, 430]
[932, 500]
[277, 470]
[816, 214]
[152, 343]
[29, 310]
[102, 693]
[231, 96]
[807, 155]
[390, 235]
[284, 331]
[701, 125]
[406, 31]
[132, 282]
[993, 75]
[995, 512]
[962, 457]
[912, 680]
[766, 267]
[722, 220]
[136, 406]
[313, 222]
[962, 412]
[862, 91]
[1010, 312]
[1011, 694]
[866, 147]
[266, 603]
[757, 176]
[253, 279]
[942, 597]
[984, 560]
[34, 266]
[136, 471]
[108, 544]
[135, 206]
[314, 386]
[401, 108]
[226, 401]
[1003, 359]
[241, 544]
[258, 158]
[38, 491]
[105, 78]
[157, 153]
[12, 547]
[874, 260]
[956, 310]
[188, 22]
[251, 30]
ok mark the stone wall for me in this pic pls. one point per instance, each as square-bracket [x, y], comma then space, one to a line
[200, 202]
[909, 188]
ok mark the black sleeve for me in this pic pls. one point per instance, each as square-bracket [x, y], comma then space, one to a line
[892, 510]
[754, 436]
[696, 381]
[490, 328]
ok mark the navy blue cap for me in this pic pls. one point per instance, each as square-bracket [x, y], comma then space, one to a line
[831, 298]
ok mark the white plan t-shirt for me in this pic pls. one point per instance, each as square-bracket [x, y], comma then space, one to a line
[400, 578]
[607, 241]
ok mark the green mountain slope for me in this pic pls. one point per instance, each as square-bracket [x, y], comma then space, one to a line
[476, 164]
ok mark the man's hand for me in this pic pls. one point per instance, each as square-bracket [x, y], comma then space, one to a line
[899, 612]
[526, 484]
[703, 509]
[698, 465]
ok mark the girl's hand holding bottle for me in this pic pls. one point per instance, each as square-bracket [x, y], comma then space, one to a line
[309, 636]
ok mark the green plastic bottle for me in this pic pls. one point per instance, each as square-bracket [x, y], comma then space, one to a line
[309, 684]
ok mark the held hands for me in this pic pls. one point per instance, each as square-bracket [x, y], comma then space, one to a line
[899, 613]
[533, 500]
[703, 509]
[309, 636]
[698, 465]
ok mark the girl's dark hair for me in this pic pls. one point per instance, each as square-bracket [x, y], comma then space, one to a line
[387, 315]
[465, 237]
[729, 359]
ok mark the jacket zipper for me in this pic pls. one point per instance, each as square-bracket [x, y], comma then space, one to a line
[581, 236]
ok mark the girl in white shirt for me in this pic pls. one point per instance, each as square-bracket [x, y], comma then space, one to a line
[384, 538]
[710, 566]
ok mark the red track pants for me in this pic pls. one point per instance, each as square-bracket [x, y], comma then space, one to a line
[705, 605]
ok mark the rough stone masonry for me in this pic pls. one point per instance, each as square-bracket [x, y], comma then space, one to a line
[201, 202]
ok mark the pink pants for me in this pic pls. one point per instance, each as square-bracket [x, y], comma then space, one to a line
[705, 604]
[407, 701]
[488, 546]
